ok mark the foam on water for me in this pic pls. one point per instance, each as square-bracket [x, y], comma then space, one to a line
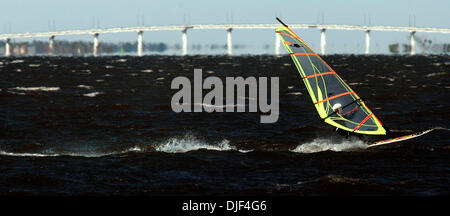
[27, 154]
[42, 88]
[16, 93]
[85, 86]
[191, 143]
[71, 152]
[17, 61]
[183, 144]
[326, 144]
[356, 83]
[436, 74]
[121, 60]
[92, 94]
[75, 150]
[295, 93]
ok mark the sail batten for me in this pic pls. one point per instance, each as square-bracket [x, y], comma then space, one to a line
[320, 74]
[336, 96]
[362, 122]
[336, 103]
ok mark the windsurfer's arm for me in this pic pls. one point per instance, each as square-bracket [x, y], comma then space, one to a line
[351, 111]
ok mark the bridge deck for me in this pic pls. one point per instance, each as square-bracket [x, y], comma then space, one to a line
[227, 26]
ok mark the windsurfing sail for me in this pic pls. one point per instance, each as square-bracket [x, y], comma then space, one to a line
[336, 103]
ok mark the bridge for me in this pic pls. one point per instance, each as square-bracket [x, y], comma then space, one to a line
[228, 27]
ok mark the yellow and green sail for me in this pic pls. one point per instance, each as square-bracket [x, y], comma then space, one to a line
[328, 90]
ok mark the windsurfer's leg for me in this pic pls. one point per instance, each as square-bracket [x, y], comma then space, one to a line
[340, 132]
[362, 139]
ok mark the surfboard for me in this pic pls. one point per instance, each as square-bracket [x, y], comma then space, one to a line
[399, 139]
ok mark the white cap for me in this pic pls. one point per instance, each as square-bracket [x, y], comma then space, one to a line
[336, 106]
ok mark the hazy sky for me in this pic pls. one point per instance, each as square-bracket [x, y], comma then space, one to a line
[42, 15]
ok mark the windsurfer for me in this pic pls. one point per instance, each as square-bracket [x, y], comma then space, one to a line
[337, 107]
[350, 116]
[348, 135]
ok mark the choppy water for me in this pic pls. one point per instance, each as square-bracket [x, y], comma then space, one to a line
[105, 126]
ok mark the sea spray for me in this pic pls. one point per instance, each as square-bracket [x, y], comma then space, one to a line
[327, 144]
[190, 142]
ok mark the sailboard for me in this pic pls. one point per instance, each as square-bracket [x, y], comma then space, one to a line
[398, 139]
[336, 103]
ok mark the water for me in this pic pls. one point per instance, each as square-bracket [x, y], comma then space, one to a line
[104, 126]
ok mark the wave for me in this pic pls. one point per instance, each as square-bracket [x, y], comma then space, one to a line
[191, 143]
[121, 60]
[63, 153]
[26, 154]
[87, 151]
[17, 61]
[327, 144]
[183, 144]
[42, 88]
[295, 93]
[85, 86]
[92, 94]
[16, 93]
[356, 83]
[436, 74]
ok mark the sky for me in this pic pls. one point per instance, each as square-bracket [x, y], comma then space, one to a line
[43, 15]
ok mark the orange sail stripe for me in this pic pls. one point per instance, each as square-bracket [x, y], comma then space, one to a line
[296, 36]
[372, 112]
[336, 96]
[340, 77]
[319, 74]
[343, 79]
[288, 35]
[287, 42]
[325, 95]
[362, 122]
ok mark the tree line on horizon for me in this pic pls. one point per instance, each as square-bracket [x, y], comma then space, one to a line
[79, 48]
